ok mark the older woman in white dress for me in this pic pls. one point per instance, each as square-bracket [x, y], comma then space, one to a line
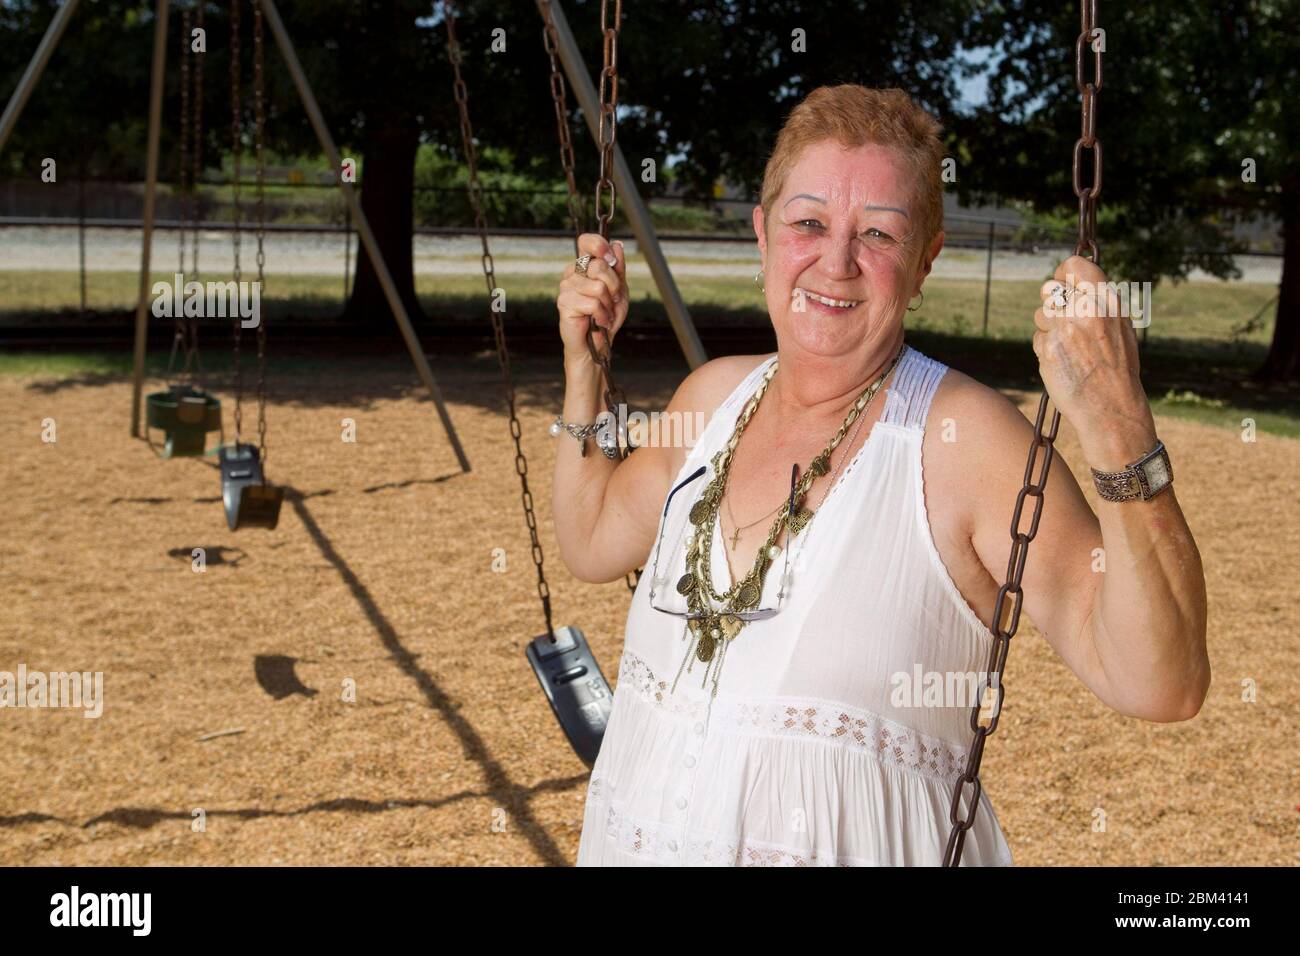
[835, 730]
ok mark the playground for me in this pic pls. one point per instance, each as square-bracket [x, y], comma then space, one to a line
[293, 554]
[381, 572]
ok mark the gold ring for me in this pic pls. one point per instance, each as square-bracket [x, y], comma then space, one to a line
[580, 265]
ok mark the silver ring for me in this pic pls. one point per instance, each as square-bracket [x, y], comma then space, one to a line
[580, 265]
[1060, 298]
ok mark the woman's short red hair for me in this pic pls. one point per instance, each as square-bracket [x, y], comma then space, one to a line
[854, 115]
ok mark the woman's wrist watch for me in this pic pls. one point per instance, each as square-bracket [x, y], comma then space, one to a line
[1144, 478]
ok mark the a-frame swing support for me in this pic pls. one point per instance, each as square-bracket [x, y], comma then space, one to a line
[28, 82]
[585, 91]
[362, 224]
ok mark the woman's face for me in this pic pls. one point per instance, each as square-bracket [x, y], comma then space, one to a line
[845, 227]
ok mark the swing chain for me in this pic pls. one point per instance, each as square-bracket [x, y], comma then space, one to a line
[184, 165]
[235, 149]
[196, 176]
[550, 40]
[191, 166]
[259, 126]
[613, 395]
[608, 113]
[1088, 90]
[180, 335]
[498, 325]
[1033, 487]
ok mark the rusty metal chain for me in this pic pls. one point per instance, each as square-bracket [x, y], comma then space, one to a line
[607, 123]
[615, 400]
[235, 149]
[259, 126]
[551, 41]
[180, 334]
[1032, 487]
[608, 118]
[498, 325]
[1088, 90]
[184, 165]
[191, 150]
[196, 176]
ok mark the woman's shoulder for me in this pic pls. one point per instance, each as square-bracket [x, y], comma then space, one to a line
[712, 383]
[961, 398]
[975, 437]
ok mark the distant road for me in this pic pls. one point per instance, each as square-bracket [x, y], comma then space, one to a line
[36, 248]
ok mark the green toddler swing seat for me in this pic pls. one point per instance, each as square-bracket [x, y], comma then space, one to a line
[185, 414]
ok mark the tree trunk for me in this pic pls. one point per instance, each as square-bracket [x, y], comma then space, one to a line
[1283, 362]
[387, 198]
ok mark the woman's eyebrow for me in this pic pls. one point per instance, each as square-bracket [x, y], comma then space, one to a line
[901, 212]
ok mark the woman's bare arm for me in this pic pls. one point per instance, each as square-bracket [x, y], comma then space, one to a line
[604, 509]
[607, 511]
[1119, 593]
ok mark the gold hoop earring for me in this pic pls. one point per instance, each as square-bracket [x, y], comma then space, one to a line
[757, 281]
[919, 304]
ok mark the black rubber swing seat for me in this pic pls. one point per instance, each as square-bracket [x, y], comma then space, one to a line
[576, 688]
[249, 501]
[186, 414]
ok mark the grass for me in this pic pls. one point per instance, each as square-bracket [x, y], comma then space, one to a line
[1191, 310]
[1197, 360]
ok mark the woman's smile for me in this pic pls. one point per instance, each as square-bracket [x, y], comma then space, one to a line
[823, 303]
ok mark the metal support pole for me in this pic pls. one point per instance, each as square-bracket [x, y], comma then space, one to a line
[347, 254]
[362, 224]
[988, 280]
[157, 74]
[81, 233]
[34, 70]
[637, 214]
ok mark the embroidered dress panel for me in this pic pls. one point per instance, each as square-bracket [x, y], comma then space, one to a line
[840, 723]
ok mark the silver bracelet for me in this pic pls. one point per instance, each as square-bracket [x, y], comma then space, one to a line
[582, 432]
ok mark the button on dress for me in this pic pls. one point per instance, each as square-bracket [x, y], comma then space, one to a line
[820, 747]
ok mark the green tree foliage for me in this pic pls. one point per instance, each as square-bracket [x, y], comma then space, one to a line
[1191, 91]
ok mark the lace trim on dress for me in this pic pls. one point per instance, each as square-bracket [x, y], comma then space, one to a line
[854, 728]
[858, 729]
[664, 842]
[637, 675]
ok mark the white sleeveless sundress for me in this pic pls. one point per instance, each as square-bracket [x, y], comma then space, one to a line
[819, 748]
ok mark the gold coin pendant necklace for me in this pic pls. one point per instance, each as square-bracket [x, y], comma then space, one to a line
[711, 627]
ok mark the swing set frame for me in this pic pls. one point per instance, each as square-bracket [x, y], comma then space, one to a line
[31, 76]
[599, 113]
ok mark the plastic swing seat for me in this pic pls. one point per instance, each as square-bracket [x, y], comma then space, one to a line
[576, 688]
[186, 414]
[249, 501]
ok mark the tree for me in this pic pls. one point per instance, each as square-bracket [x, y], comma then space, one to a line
[716, 81]
[1195, 95]
[74, 116]
[380, 71]
[378, 75]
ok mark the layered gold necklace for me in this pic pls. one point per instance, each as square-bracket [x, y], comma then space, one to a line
[713, 628]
